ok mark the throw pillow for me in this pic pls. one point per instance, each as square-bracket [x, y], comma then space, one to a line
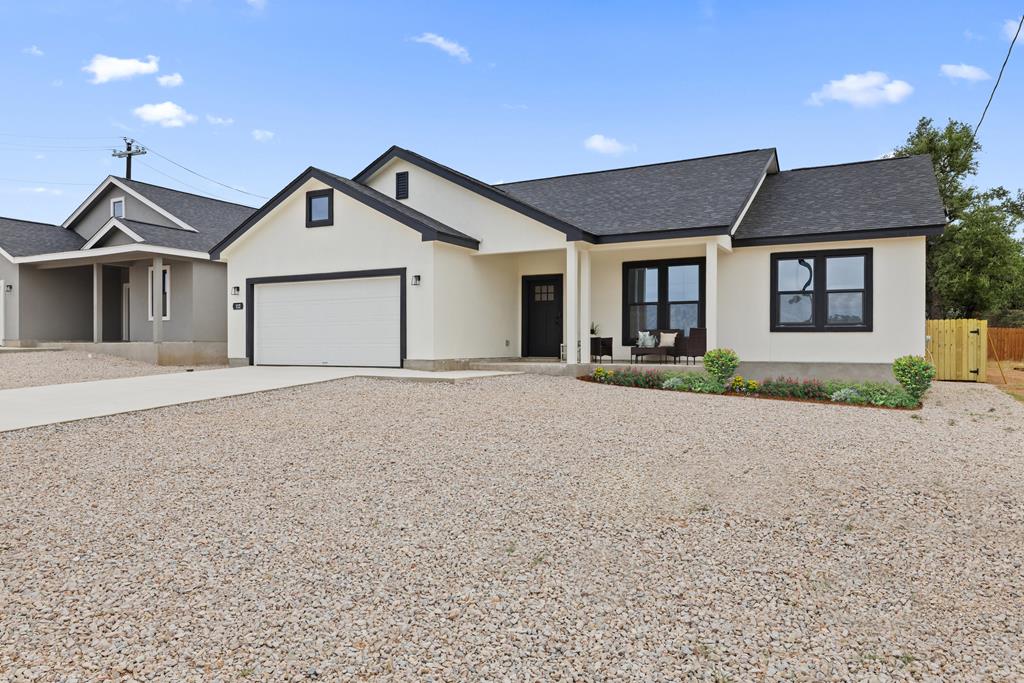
[645, 340]
[667, 339]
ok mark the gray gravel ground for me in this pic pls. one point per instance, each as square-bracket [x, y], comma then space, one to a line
[516, 528]
[33, 369]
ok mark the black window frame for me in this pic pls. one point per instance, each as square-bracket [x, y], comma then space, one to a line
[312, 194]
[820, 291]
[402, 185]
[663, 304]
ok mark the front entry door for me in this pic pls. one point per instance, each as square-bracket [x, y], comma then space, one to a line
[542, 315]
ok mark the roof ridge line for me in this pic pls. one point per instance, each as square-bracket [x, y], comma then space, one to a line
[192, 194]
[855, 163]
[25, 220]
[630, 168]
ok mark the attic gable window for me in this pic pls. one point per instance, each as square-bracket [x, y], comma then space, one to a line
[319, 208]
[117, 207]
[402, 185]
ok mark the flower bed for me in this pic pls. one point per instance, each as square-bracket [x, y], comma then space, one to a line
[914, 374]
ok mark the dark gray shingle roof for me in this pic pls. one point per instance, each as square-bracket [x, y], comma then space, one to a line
[692, 193]
[213, 218]
[28, 238]
[398, 206]
[159, 235]
[869, 195]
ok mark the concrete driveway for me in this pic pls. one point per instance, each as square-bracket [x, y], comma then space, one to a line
[35, 406]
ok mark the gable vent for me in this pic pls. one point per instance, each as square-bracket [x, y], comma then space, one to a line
[402, 185]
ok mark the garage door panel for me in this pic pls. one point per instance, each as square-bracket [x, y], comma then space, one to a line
[329, 322]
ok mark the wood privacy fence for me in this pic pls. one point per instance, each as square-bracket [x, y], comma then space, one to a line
[958, 349]
[1006, 343]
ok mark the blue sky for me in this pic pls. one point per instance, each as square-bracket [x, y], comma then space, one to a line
[500, 91]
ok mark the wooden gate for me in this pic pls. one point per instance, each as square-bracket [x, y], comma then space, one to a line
[958, 349]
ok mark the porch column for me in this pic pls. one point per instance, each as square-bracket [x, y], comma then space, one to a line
[97, 302]
[711, 292]
[572, 325]
[585, 312]
[156, 285]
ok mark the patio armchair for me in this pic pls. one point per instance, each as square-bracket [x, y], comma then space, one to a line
[600, 347]
[696, 343]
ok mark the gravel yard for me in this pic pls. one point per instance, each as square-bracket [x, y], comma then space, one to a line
[524, 527]
[39, 368]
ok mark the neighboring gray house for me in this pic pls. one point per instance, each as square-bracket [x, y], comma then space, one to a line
[93, 278]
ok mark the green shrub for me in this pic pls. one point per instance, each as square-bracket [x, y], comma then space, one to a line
[697, 382]
[647, 379]
[847, 395]
[739, 385]
[721, 363]
[786, 387]
[915, 374]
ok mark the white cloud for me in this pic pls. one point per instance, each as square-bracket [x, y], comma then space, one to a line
[56, 83]
[863, 90]
[1010, 28]
[104, 68]
[167, 114]
[606, 145]
[39, 157]
[33, 51]
[258, 5]
[260, 135]
[41, 190]
[447, 46]
[964, 71]
[219, 120]
[170, 80]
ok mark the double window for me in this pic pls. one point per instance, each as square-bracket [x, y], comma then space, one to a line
[319, 208]
[662, 295]
[164, 302]
[821, 291]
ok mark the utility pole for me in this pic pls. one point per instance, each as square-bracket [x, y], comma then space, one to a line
[130, 150]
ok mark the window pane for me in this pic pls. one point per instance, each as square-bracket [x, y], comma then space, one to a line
[117, 209]
[796, 275]
[318, 208]
[642, 317]
[846, 308]
[683, 316]
[796, 309]
[642, 285]
[684, 283]
[844, 272]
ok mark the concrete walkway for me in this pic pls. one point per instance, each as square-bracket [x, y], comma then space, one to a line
[35, 406]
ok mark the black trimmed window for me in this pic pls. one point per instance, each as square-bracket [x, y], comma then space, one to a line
[402, 185]
[822, 291]
[319, 208]
[662, 295]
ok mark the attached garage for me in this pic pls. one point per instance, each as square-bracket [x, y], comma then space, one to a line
[343, 319]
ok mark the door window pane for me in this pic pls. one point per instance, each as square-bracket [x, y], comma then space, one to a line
[684, 283]
[796, 309]
[845, 308]
[844, 272]
[642, 317]
[683, 317]
[643, 285]
[796, 275]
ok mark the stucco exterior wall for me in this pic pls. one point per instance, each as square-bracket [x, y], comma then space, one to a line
[179, 327]
[899, 307]
[92, 219]
[499, 229]
[209, 291]
[360, 239]
[55, 304]
[9, 275]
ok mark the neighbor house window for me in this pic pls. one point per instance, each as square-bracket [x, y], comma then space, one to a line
[319, 208]
[821, 291]
[164, 303]
[662, 295]
[117, 207]
[402, 185]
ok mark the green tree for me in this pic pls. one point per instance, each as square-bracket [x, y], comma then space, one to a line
[976, 267]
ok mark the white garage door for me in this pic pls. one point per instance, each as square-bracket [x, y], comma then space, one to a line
[329, 322]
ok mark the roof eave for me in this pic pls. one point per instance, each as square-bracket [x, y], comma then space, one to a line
[842, 236]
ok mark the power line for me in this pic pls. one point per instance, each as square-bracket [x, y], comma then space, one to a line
[182, 182]
[60, 137]
[206, 178]
[45, 182]
[999, 78]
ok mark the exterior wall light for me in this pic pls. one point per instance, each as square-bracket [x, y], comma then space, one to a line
[236, 290]
[8, 288]
[415, 280]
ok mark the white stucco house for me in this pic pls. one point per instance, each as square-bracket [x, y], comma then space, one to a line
[813, 271]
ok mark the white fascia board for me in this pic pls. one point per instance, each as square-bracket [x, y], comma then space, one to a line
[112, 181]
[107, 227]
[746, 207]
[6, 255]
[119, 249]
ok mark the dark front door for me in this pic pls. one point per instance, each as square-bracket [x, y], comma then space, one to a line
[542, 315]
